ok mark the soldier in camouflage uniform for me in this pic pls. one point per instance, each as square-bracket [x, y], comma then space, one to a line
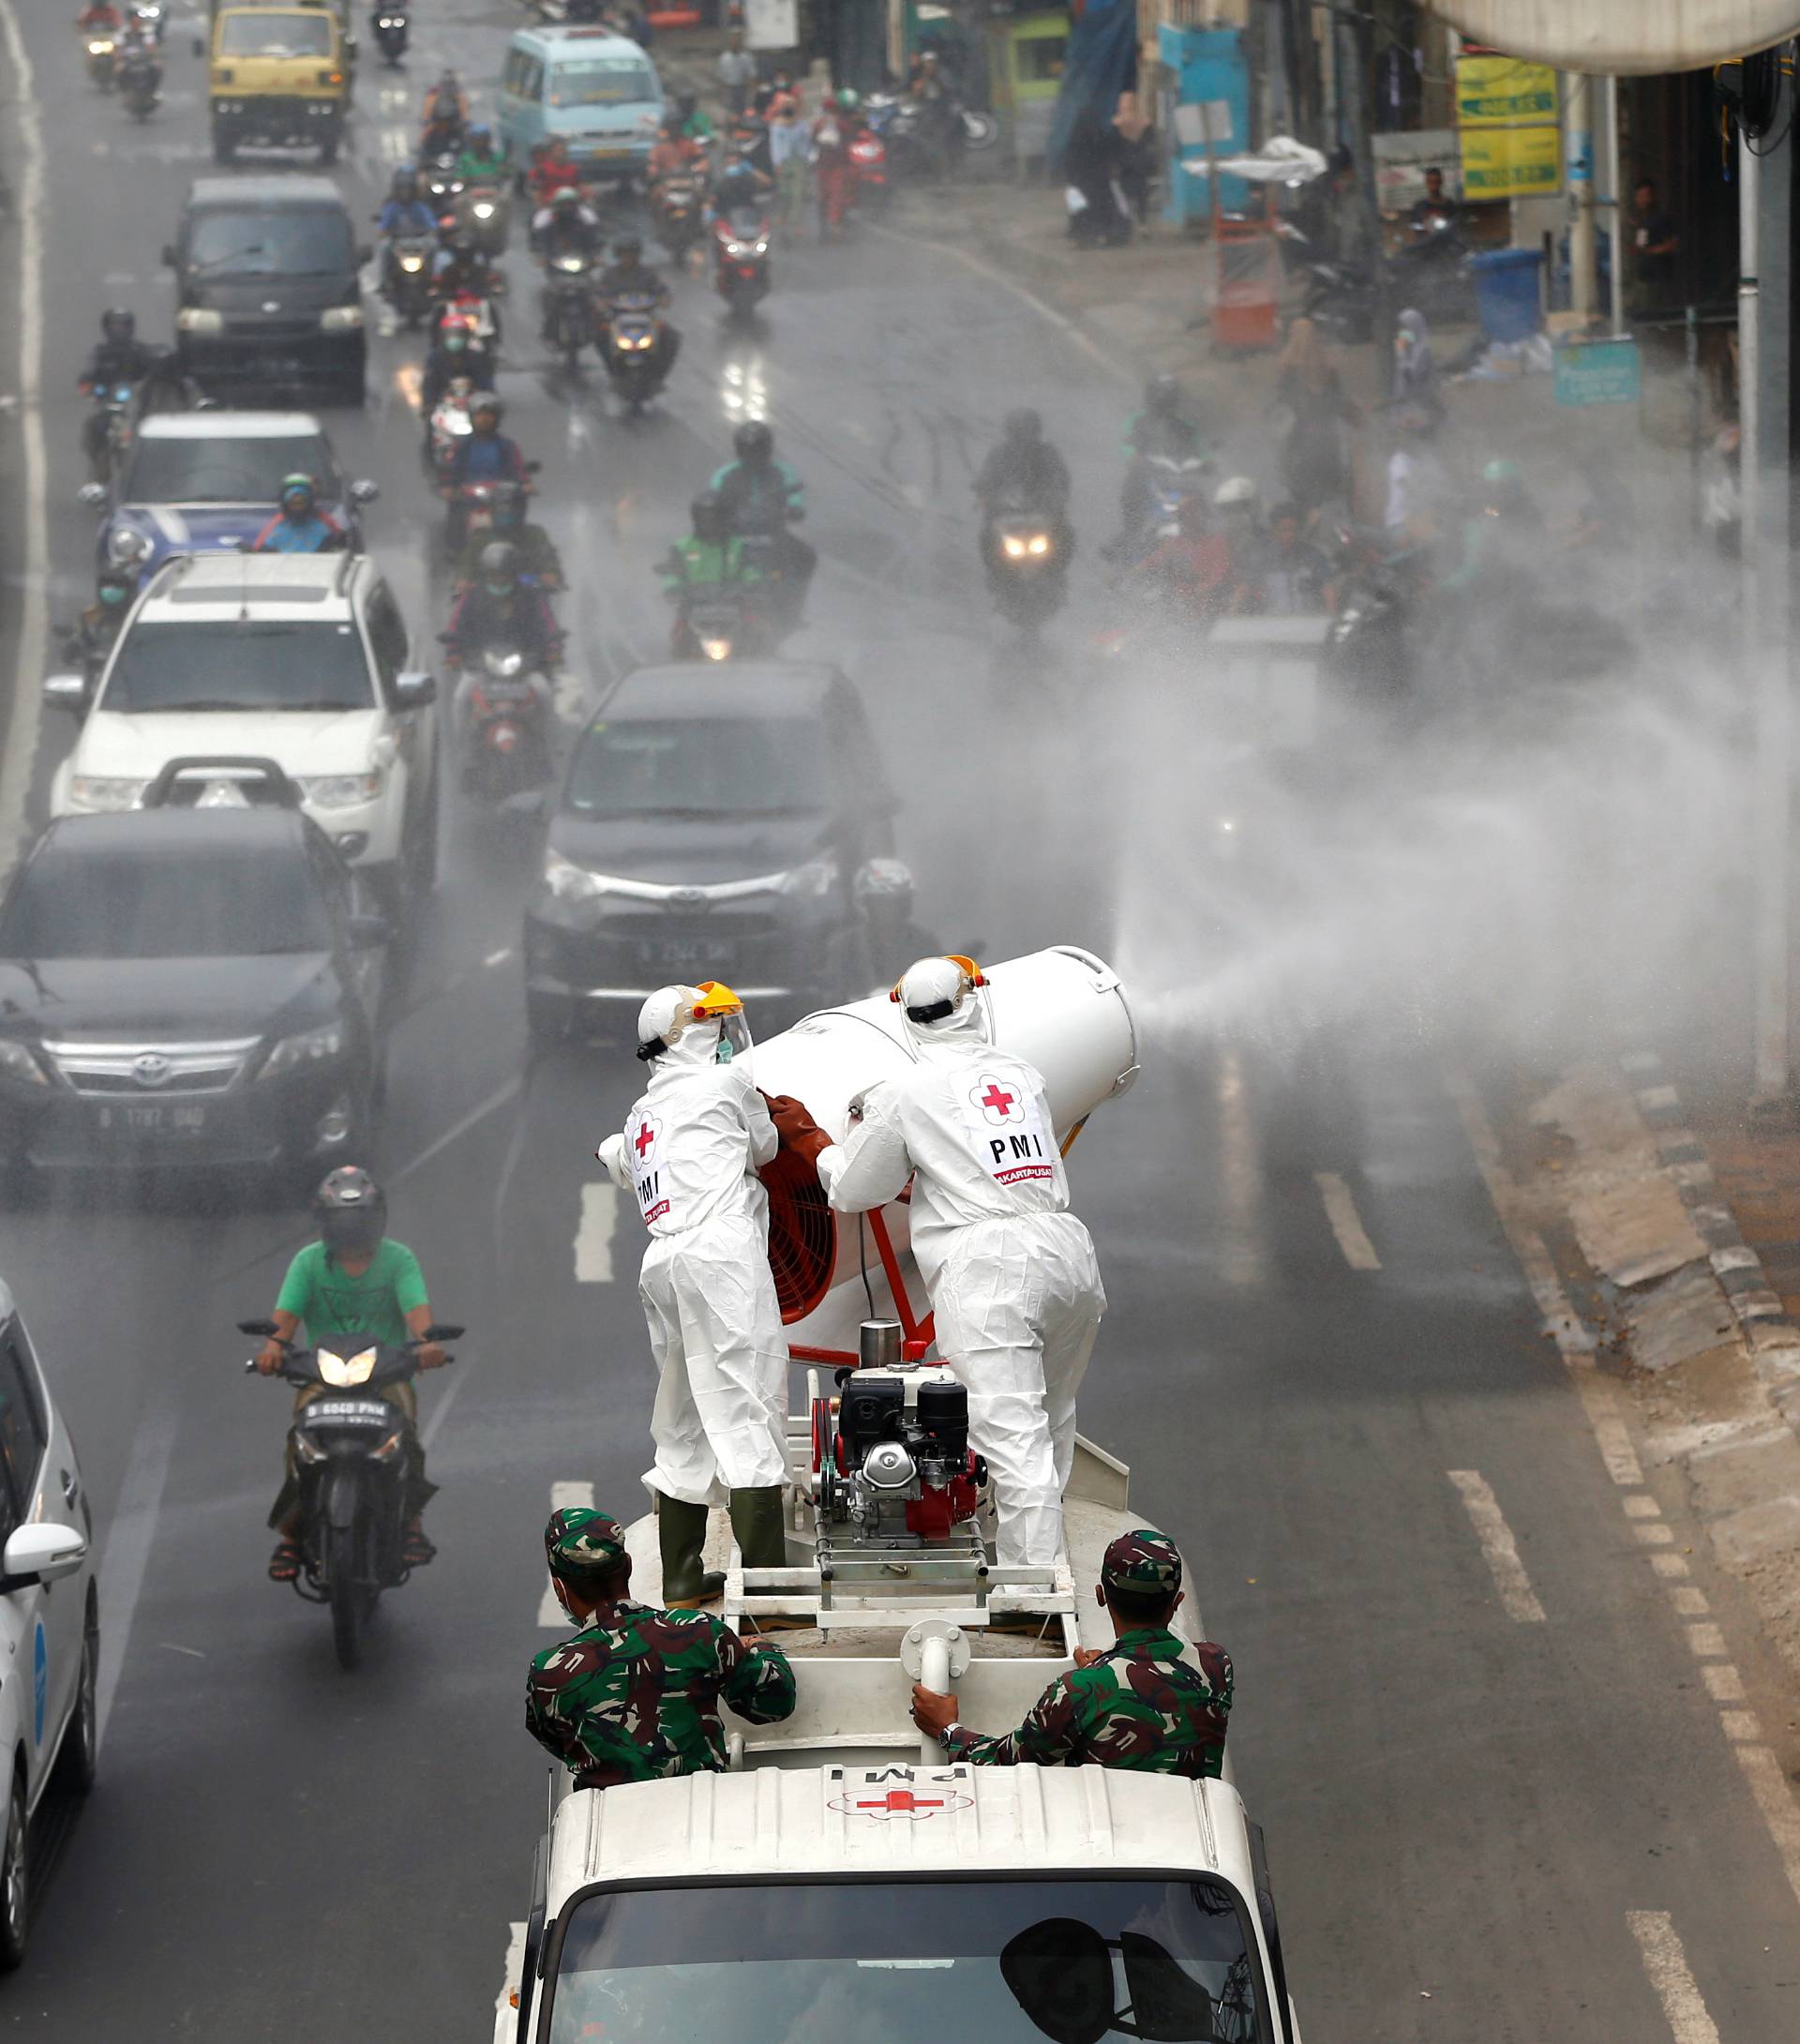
[635, 1694]
[1138, 1703]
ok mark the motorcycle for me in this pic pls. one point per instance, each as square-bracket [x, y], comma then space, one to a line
[636, 358]
[149, 16]
[442, 187]
[141, 83]
[721, 620]
[507, 748]
[473, 509]
[569, 321]
[740, 260]
[102, 60]
[676, 208]
[406, 277]
[868, 171]
[353, 1452]
[391, 27]
[484, 213]
[903, 127]
[465, 302]
[449, 424]
[1027, 570]
[1369, 644]
[118, 404]
[1174, 481]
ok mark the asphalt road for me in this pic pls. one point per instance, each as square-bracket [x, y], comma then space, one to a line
[1479, 1818]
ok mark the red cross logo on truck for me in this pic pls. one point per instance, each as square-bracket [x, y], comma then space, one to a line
[904, 1803]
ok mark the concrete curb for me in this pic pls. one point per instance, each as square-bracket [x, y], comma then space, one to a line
[1768, 1332]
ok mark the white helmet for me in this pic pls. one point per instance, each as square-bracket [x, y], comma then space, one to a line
[707, 1021]
[936, 996]
[1235, 489]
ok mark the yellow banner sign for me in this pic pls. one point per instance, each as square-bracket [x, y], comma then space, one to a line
[1498, 92]
[1512, 162]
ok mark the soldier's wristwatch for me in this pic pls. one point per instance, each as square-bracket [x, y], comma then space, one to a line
[944, 1736]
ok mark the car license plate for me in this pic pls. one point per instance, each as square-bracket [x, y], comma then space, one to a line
[677, 952]
[157, 1120]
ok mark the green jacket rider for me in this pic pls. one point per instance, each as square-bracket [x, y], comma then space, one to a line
[710, 557]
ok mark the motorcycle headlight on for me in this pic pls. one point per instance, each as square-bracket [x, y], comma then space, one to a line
[1039, 543]
[1014, 547]
[504, 667]
[101, 47]
[716, 648]
[411, 264]
[310, 1046]
[571, 266]
[341, 1372]
[484, 209]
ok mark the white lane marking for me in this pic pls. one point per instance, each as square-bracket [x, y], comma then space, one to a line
[18, 746]
[563, 1498]
[1666, 1963]
[510, 1979]
[1653, 1533]
[456, 1129]
[1706, 1641]
[126, 1553]
[1689, 1601]
[1346, 1223]
[1643, 1507]
[1775, 1799]
[1724, 1685]
[594, 1238]
[1499, 1547]
[1739, 1725]
[1670, 1566]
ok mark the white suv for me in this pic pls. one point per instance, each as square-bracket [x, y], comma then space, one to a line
[50, 1616]
[298, 658]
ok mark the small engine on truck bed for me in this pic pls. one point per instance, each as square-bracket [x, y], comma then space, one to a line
[893, 1459]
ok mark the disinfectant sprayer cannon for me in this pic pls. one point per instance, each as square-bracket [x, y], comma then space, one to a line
[1061, 1010]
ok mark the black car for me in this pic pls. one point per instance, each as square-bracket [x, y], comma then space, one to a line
[726, 823]
[268, 290]
[192, 986]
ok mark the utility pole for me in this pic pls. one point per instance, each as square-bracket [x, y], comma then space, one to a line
[1578, 159]
[1766, 269]
[1357, 48]
[1613, 200]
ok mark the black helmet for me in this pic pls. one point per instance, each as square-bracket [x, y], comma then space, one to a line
[351, 1213]
[1025, 426]
[708, 511]
[754, 442]
[119, 322]
[627, 248]
[1162, 395]
[687, 104]
[500, 566]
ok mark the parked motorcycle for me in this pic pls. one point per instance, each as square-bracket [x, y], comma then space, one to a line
[637, 360]
[507, 753]
[904, 127]
[740, 260]
[353, 1454]
[679, 212]
[391, 30]
[569, 319]
[406, 277]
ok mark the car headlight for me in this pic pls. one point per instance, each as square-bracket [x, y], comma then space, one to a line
[342, 1372]
[568, 881]
[813, 880]
[105, 790]
[199, 318]
[341, 790]
[310, 1046]
[17, 1062]
[337, 319]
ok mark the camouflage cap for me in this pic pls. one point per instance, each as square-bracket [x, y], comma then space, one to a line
[577, 1541]
[1142, 1562]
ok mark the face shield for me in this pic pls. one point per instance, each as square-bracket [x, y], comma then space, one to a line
[718, 1003]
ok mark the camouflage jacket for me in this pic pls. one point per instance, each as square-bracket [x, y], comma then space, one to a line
[634, 1695]
[1139, 1705]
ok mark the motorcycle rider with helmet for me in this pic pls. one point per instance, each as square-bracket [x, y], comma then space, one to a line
[119, 357]
[485, 454]
[500, 607]
[456, 350]
[761, 497]
[629, 276]
[1025, 473]
[406, 212]
[353, 1280]
[447, 115]
[300, 526]
[481, 162]
[97, 631]
[537, 558]
[1160, 428]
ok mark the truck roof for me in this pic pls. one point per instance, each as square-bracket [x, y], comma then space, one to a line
[228, 426]
[896, 1819]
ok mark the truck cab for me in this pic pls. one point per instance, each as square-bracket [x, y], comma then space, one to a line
[279, 78]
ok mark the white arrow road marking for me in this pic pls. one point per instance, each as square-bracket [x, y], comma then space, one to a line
[594, 1238]
[1499, 1546]
[1346, 1224]
[1666, 1963]
[563, 1498]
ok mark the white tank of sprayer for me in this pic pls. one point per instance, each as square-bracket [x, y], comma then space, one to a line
[1061, 1010]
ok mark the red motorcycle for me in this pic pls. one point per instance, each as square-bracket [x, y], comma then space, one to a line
[741, 259]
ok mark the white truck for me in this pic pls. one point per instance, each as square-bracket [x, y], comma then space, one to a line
[841, 1876]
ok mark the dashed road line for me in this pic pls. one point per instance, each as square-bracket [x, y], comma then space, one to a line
[1499, 1547]
[563, 1498]
[1666, 1962]
[1346, 1223]
[593, 1237]
[1724, 1685]
[1774, 1796]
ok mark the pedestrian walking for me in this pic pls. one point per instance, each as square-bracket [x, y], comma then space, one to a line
[736, 73]
[1314, 466]
[789, 149]
[830, 151]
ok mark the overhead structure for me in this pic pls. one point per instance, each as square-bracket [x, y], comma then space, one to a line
[1624, 36]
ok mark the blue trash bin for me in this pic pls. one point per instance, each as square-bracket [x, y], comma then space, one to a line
[1506, 291]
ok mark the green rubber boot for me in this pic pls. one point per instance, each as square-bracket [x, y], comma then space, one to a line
[680, 1533]
[757, 1520]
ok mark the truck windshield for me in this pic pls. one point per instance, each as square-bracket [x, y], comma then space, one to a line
[245, 664]
[219, 470]
[919, 1961]
[271, 35]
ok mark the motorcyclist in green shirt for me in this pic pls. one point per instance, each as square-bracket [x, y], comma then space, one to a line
[711, 557]
[538, 557]
[481, 162]
[353, 1280]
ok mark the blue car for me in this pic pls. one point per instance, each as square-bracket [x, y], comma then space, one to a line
[208, 482]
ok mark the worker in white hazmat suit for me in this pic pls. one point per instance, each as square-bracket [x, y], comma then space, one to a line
[690, 1152]
[1013, 1283]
